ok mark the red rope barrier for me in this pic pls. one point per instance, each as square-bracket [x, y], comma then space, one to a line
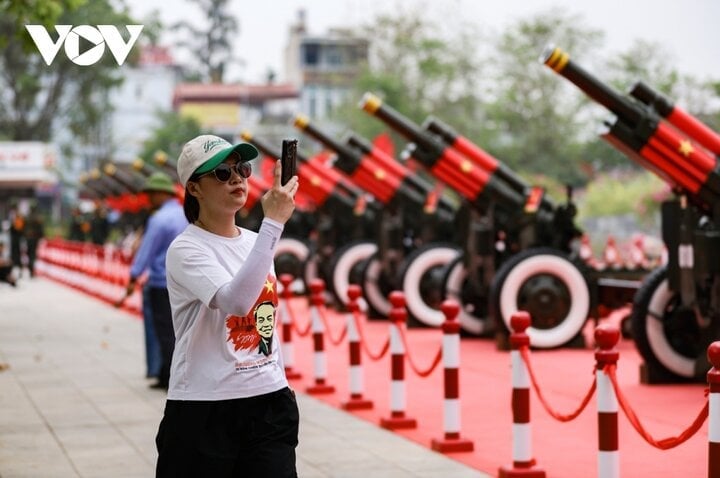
[433, 365]
[363, 341]
[301, 333]
[343, 333]
[665, 443]
[557, 416]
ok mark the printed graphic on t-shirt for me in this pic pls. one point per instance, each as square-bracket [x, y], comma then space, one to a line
[253, 333]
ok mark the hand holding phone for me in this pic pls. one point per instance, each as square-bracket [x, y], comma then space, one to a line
[288, 160]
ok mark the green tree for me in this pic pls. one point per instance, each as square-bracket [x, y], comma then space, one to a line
[211, 47]
[536, 119]
[417, 69]
[37, 98]
[170, 136]
[638, 193]
[43, 12]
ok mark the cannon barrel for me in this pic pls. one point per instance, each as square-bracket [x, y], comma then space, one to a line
[319, 184]
[413, 180]
[376, 178]
[126, 181]
[92, 188]
[168, 165]
[665, 151]
[112, 186]
[677, 116]
[445, 163]
[485, 160]
[143, 167]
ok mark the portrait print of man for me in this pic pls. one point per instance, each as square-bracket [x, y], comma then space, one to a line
[265, 324]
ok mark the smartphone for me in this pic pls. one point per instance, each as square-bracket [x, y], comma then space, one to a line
[288, 160]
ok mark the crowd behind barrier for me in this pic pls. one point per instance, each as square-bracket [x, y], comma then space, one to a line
[101, 271]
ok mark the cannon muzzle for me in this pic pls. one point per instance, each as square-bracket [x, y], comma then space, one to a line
[664, 150]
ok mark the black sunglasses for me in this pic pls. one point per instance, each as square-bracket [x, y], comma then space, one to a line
[224, 171]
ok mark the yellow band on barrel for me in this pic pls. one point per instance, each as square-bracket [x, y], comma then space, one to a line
[557, 60]
[371, 103]
[246, 135]
[302, 121]
[138, 164]
[110, 169]
[160, 157]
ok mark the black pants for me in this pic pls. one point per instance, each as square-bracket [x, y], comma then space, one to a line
[162, 320]
[6, 274]
[245, 437]
[31, 254]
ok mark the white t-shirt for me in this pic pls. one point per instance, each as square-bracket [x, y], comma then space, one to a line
[219, 356]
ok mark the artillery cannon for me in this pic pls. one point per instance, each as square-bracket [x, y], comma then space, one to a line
[342, 217]
[676, 311]
[399, 234]
[520, 250]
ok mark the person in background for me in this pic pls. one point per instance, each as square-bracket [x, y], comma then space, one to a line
[6, 268]
[162, 227]
[229, 410]
[34, 231]
[153, 357]
[17, 236]
[99, 225]
[78, 225]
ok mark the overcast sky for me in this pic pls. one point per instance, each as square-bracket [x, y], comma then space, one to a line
[688, 29]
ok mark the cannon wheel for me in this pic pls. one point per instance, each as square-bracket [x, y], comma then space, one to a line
[347, 265]
[376, 287]
[666, 335]
[291, 256]
[550, 287]
[473, 315]
[422, 281]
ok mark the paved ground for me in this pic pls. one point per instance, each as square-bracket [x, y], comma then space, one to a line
[74, 401]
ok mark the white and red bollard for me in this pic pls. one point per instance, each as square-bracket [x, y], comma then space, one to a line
[713, 378]
[398, 317]
[356, 401]
[523, 462]
[451, 441]
[607, 336]
[586, 252]
[288, 351]
[611, 254]
[317, 300]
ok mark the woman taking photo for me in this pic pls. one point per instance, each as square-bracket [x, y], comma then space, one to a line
[229, 410]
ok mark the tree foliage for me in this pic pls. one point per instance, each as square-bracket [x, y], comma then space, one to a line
[210, 47]
[639, 193]
[43, 12]
[536, 119]
[417, 69]
[37, 97]
[174, 131]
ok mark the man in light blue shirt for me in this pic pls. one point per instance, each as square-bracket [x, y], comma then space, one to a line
[163, 226]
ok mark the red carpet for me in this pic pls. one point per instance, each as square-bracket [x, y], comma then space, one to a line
[561, 449]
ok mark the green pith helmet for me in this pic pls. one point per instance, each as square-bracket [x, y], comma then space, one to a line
[159, 181]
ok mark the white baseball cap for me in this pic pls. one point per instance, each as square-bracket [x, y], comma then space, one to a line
[203, 153]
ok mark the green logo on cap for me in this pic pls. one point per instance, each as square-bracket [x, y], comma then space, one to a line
[210, 145]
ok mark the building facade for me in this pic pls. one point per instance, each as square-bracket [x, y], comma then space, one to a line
[323, 67]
